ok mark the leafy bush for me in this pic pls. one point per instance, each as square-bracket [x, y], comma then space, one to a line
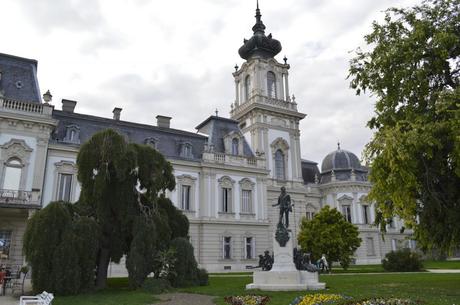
[185, 271]
[156, 286]
[402, 260]
[203, 277]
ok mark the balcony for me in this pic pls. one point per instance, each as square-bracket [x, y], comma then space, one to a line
[227, 159]
[19, 199]
[29, 108]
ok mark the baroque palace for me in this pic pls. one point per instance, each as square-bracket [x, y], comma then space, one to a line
[228, 174]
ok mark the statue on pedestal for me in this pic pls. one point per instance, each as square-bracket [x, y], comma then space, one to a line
[284, 201]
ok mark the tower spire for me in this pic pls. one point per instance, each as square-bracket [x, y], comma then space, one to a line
[259, 27]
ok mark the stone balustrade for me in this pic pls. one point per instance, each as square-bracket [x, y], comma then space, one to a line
[260, 99]
[9, 105]
[19, 198]
[227, 159]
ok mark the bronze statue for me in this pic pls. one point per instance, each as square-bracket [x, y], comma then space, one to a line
[284, 201]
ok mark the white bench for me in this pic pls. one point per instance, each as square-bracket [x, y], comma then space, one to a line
[43, 298]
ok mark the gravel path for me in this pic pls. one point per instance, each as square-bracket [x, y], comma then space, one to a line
[184, 299]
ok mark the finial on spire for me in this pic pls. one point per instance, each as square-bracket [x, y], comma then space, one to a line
[217, 112]
[236, 67]
[285, 60]
[338, 145]
[259, 27]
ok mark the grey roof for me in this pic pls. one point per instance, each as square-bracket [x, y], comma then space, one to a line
[309, 170]
[18, 79]
[169, 141]
[342, 163]
[217, 128]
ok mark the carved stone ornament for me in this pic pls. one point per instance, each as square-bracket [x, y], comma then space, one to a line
[282, 235]
[16, 148]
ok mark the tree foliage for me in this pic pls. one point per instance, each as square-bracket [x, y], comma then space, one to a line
[57, 246]
[329, 233]
[412, 71]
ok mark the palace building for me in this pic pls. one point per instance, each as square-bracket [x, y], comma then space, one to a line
[228, 174]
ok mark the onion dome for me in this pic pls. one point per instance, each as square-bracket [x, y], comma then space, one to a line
[259, 44]
[342, 165]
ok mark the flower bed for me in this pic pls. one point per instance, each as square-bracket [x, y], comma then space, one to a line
[318, 299]
[247, 300]
[382, 301]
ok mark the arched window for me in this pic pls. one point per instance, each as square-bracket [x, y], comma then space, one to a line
[235, 144]
[247, 88]
[13, 170]
[279, 165]
[271, 84]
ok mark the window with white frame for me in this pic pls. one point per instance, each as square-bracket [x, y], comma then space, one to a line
[65, 187]
[249, 248]
[366, 215]
[5, 243]
[235, 145]
[246, 201]
[186, 151]
[185, 197]
[226, 194]
[346, 211]
[13, 171]
[370, 246]
[226, 200]
[309, 215]
[394, 244]
[279, 165]
[227, 247]
[247, 88]
[271, 84]
[391, 223]
[152, 142]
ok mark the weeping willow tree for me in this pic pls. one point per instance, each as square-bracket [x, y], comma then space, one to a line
[123, 188]
[122, 210]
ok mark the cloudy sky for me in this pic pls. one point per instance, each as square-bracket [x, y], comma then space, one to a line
[176, 57]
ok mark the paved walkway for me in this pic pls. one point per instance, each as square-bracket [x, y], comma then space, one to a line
[8, 300]
[443, 270]
[184, 299]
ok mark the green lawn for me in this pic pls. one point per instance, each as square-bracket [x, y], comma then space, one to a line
[441, 264]
[435, 289]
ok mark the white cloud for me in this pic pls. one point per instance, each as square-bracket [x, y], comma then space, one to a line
[176, 58]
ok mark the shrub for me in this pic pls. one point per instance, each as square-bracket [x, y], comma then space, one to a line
[402, 260]
[185, 271]
[203, 277]
[156, 286]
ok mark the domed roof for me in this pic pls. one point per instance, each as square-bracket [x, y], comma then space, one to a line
[340, 159]
[259, 44]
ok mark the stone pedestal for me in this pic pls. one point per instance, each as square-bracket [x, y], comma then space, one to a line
[284, 276]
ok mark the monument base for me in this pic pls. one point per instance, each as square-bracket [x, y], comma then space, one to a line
[285, 281]
[284, 276]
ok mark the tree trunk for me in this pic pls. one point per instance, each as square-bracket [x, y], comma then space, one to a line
[102, 266]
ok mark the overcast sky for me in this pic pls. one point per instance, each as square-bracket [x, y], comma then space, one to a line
[176, 58]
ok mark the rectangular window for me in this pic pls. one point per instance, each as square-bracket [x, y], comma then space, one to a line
[394, 244]
[248, 248]
[370, 246]
[246, 201]
[227, 247]
[391, 223]
[366, 214]
[5, 243]
[346, 211]
[309, 215]
[226, 200]
[185, 197]
[65, 187]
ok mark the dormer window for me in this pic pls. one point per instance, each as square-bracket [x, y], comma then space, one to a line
[152, 142]
[186, 150]
[235, 144]
[72, 134]
[271, 84]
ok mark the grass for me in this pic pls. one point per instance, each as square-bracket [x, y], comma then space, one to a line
[442, 264]
[434, 289]
[117, 293]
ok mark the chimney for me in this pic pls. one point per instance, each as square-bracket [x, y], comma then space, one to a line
[116, 113]
[68, 105]
[163, 121]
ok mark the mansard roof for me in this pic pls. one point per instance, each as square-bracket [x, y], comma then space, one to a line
[18, 78]
[169, 140]
[309, 171]
[217, 128]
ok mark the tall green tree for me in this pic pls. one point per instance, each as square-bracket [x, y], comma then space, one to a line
[329, 233]
[411, 69]
[121, 185]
